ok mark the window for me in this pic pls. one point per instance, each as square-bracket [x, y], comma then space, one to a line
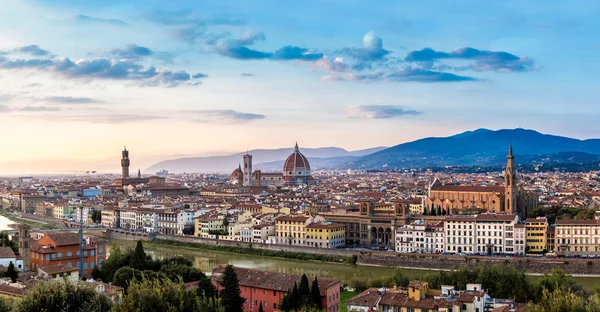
[60, 254]
[69, 264]
[47, 257]
[69, 254]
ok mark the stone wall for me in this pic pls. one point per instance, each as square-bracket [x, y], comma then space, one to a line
[125, 235]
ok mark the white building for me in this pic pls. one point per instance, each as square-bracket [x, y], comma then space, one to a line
[261, 233]
[167, 222]
[185, 220]
[496, 233]
[128, 219]
[420, 237]
[520, 239]
[459, 232]
[7, 256]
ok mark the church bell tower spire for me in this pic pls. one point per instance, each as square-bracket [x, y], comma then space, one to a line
[510, 183]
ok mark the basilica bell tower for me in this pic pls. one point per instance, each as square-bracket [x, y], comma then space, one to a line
[510, 184]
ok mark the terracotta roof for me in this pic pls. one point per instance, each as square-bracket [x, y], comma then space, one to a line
[64, 239]
[577, 222]
[292, 218]
[272, 280]
[495, 217]
[295, 161]
[6, 252]
[469, 188]
[54, 269]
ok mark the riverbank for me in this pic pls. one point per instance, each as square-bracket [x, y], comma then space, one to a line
[33, 223]
[259, 252]
[531, 266]
[206, 260]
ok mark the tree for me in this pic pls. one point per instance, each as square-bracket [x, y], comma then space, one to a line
[6, 242]
[63, 296]
[439, 210]
[225, 223]
[433, 211]
[424, 210]
[315, 294]
[138, 258]
[125, 275]
[12, 273]
[260, 307]
[231, 294]
[174, 271]
[206, 288]
[117, 259]
[304, 291]
[5, 306]
[96, 216]
[165, 295]
[97, 274]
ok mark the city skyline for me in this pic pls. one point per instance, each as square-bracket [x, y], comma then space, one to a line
[80, 80]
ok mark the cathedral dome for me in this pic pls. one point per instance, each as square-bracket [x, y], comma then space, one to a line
[236, 174]
[296, 165]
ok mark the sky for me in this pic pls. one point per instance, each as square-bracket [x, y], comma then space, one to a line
[81, 79]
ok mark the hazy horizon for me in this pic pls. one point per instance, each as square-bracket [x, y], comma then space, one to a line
[81, 79]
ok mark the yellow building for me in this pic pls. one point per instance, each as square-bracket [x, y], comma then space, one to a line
[291, 230]
[536, 235]
[325, 235]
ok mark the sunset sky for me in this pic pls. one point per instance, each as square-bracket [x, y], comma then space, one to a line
[80, 79]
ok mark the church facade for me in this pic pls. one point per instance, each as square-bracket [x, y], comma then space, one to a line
[296, 172]
[511, 198]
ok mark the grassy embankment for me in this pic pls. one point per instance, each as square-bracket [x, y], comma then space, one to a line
[15, 219]
[345, 296]
[259, 252]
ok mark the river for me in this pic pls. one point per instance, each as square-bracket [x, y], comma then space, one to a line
[206, 260]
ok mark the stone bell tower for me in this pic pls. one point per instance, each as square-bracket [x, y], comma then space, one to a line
[125, 163]
[510, 184]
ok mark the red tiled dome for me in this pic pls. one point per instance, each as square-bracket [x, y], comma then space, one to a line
[296, 164]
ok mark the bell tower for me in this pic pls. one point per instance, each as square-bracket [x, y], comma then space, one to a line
[247, 170]
[510, 184]
[125, 163]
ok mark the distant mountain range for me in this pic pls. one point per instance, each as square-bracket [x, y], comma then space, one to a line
[263, 159]
[482, 147]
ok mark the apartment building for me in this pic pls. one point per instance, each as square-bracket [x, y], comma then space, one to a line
[261, 232]
[420, 237]
[495, 233]
[535, 232]
[111, 217]
[519, 239]
[325, 235]
[167, 223]
[128, 219]
[64, 249]
[577, 237]
[290, 230]
[185, 221]
[459, 232]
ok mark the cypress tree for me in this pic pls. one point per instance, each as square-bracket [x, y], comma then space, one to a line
[12, 273]
[138, 258]
[304, 290]
[315, 294]
[433, 212]
[231, 294]
[295, 298]
[260, 307]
